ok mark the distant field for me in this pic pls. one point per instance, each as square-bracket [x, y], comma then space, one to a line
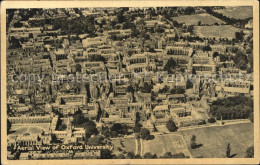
[225, 31]
[194, 19]
[240, 12]
[215, 140]
[129, 144]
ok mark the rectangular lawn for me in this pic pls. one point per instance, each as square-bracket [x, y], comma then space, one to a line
[194, 19]
[173, 143]
[225, 31]
[214, 140]
[129, 144]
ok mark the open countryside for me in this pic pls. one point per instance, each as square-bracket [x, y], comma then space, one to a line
[241, 12]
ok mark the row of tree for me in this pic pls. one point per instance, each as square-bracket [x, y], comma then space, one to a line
[238, 107]
[148, 155]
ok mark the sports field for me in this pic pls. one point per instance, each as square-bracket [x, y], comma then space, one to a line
[225, 31]
[240, 12]
[194, 19]
[214, 140]
[173, 143]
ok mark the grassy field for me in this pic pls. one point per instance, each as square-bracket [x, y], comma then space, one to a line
[240, 12]
[194, 19]
[18, 130]
[225, 31]
[214, 140]
[129, 144]
[165, 143]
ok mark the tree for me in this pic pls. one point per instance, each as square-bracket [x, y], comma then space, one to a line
[105, 131]
[193, 143]
[147, 88]
[240, 59]
[117, 127]
[121, 156]
[170, 125]
[106, 154]
[207, 48]
[130, 89]
[130, 155]
[148, 155]
[121, 18]
[189, 11]
[145, 133]
[151, 50]
[211, 120]
[215, 54]
[239, 35]
[167, 155]
[137, 128]
[9, 125]
[14, 43]
[238, 107]
[250, 152]
[170, 65]
[180, 91]
[78, 68]
[179, 155]
[124, 129]
[79, 119]
[90, 128]
[138, 156]
[62, 127]
[164, 89]
[251, 117]
[228, 150]
[112, 23]
[96, 140]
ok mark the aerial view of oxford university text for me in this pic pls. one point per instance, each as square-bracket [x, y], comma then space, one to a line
[129, 83]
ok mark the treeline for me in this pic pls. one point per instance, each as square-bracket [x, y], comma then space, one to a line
[228, 20]
[148, 155]
[79, 25]
[238, 107]
[240, 60]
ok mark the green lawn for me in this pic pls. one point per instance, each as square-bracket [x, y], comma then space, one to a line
[18, 130]
[215, 140]
[165, 143]
[129, 144]
[194, 19]
[240, 12]
[225, 31]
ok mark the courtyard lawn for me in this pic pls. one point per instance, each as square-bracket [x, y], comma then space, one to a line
[214, 140]
[16, 130]
[240, 12]
[129, 144]
[225, 31]
[194, 19]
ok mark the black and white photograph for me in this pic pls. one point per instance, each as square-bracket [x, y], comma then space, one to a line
[142, 82]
